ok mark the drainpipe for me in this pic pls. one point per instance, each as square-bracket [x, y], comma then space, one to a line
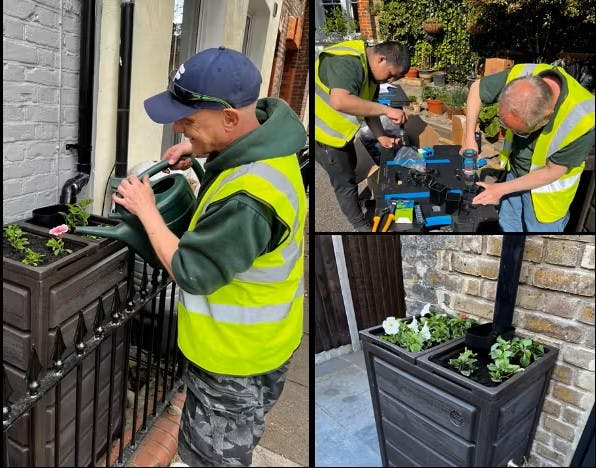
[512, 254]
[126, 29]
[73, 186]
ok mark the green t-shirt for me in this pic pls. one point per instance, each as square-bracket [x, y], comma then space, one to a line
[342, 71]
[521, 153]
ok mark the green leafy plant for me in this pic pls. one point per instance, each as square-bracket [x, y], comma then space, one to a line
[412, 98]
[456, 96]
[466, 363]
[489, 123]
[502, 369]
[16, 237]
[338, 23]
[433, 92]
[57, 246]
[512, 356]
[526, 351]
[422, 55]
[31, 257]
[431, 329]
[376, 7]
[77, 214]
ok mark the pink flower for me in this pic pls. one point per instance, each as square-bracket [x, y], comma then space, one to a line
[464, 316]
[59, 230]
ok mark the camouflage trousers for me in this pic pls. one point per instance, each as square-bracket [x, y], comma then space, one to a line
[223, 417]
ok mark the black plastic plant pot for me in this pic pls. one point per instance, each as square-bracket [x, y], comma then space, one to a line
[428, 415]
[373, 335]
[482, 337]
[49, 216]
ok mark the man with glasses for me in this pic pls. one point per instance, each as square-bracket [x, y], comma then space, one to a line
[240, 265]
[347, 76]
[549, 122]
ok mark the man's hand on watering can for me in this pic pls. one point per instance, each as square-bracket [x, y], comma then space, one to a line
[136, 196]
[174, 153]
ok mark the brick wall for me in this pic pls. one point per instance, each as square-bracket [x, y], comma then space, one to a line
[365, 21]
[41, 62]
[289, 74]
[555, 305]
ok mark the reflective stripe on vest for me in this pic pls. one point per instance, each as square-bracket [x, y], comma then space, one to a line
[252, 324]
[246, 315]
[332, 127]
[574, 117]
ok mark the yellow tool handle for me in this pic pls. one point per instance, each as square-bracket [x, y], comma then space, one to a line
[375, 225]
[390, 219]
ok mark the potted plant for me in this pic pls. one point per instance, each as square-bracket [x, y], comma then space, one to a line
[434, 96]
[414, 104]
[455, 100]
[422, 60]
[412, 72]
[432, 25]
[489, 122]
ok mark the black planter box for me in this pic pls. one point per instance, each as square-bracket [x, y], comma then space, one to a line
[35, 301]
[428, 415]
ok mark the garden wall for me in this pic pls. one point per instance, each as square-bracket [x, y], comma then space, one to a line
[41, 68]
[555, 304]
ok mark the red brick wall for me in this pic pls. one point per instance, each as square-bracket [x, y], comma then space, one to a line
[364, 19]
[289, 73]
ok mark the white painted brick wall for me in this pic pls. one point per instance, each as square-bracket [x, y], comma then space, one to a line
[40, 114]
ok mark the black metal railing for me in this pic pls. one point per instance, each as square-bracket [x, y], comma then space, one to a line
[133, 335]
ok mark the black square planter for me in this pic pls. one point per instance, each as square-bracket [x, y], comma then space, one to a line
[428, 415]
[35, 301]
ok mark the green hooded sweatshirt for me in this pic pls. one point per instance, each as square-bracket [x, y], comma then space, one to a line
[233, 232]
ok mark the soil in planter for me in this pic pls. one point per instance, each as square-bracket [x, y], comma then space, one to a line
[480, 375]
[37, 243]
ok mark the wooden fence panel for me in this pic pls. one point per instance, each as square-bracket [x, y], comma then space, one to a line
[376, 278]
[376, 283]
[331, 325]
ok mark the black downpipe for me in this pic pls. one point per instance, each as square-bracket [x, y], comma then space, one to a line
[126, 27]
[73, 186]
[512, 253]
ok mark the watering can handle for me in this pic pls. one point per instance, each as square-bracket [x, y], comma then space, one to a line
[160, 166]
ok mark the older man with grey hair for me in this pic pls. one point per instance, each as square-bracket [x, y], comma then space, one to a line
[549, 122]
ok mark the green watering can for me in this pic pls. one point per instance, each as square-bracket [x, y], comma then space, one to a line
[175, 201]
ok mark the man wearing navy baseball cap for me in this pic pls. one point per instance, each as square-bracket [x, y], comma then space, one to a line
[240, 265]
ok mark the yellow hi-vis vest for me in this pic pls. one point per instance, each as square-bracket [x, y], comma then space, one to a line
[334, 128]
[253, 324]
[573, 118]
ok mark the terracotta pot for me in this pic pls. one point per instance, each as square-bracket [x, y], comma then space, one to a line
[412, 73]
[435, 106]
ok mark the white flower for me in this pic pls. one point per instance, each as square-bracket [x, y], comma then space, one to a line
[425, 332]
[391, 325]
[414, 325]
[425, 310]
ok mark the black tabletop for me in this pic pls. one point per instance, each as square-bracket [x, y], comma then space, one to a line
[442, 180]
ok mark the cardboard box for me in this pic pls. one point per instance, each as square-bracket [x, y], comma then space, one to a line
[495, 65]
[458, 129]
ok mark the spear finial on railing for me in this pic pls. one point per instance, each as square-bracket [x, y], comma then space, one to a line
[80, 334]
[33, 372]
[59, 348]
[100, 316]
[116, 305]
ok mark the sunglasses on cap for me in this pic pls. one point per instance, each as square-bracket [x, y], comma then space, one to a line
[186, 96]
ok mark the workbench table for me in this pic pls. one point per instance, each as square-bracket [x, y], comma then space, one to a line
[396, 182]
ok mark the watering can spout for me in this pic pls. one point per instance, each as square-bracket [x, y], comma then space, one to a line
[124, 232]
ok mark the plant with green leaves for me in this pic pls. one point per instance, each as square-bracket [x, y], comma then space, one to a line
[488, 118]
[502, 369]
[410, 336]
[57, 246]
[526, 351]
[31, 257]
[16, 237]
[466, 363]
[433, 92]
[77, 214]
[456, 96]
[459, 325]
[338, 25]
[422, 55]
